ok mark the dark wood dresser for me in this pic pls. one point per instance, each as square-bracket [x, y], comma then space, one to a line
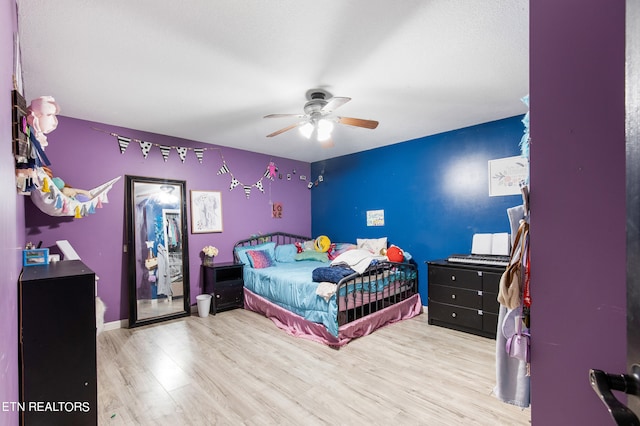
[57, 320]
[225, 283]
[464, 296]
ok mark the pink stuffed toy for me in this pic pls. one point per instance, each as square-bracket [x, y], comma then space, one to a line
[42, 117]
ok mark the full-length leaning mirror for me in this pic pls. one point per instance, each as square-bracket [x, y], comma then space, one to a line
[158, 260]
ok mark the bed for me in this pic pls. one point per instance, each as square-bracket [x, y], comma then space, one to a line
[323, 301]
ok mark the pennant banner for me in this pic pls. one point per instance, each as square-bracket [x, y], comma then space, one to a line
[224, 169]
[270, 171]
[123, 143]
[145, 147]
[198, 152]
[182, 152]
[164, 149]
[234, 182]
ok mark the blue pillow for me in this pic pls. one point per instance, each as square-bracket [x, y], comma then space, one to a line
[286, 253]
[242, 251]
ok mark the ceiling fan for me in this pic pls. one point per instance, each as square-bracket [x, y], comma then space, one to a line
[317, 120]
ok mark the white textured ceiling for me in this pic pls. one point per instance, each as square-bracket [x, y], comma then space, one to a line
[209, 70]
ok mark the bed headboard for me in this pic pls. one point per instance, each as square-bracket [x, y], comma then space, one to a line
[277, 237]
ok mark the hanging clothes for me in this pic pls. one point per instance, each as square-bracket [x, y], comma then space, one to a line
[513, 384]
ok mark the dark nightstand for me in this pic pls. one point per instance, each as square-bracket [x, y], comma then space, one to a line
[225, 283]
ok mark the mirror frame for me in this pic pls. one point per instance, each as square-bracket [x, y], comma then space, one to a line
[135, 258]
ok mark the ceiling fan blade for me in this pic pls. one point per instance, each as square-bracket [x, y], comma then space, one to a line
[334, 103]
[286, 129]
[358, 122]
[283, 115]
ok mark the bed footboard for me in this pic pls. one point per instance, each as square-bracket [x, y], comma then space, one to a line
[381, 285]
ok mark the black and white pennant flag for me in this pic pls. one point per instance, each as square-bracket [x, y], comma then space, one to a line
[182, 152]
[259, 186]
[199, 152]
[247, 190]
[164, 149]
[123, 143]
[145, 147]
[224, 169]
[234, 182]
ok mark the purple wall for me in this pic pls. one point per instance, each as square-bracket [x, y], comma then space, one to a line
[577, 205]
[85, 158]
[12, 225]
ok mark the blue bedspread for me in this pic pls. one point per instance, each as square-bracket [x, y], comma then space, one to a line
[290, 285]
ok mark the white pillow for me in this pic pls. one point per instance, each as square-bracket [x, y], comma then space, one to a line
[374, 245]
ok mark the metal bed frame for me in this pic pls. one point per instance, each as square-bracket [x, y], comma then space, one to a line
[353, 297]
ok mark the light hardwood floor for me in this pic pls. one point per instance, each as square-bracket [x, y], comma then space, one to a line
[237, 368]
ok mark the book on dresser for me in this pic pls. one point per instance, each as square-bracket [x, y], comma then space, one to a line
[464, 296]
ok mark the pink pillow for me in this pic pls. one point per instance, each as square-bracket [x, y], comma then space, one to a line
[260, 259]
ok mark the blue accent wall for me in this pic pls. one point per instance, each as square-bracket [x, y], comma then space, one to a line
[433, 190]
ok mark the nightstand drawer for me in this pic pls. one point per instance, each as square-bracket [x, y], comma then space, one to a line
[455, 296]
[467, 279]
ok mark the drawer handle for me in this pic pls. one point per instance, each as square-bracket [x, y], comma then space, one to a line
[453, 277]
[453, 314]
[453, 296]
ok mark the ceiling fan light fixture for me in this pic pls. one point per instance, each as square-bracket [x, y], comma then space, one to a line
[325, 127]
[306, 130]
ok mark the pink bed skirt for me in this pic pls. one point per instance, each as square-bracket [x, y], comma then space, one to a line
[297, 326]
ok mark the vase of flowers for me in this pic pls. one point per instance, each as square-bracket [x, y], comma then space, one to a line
[209, 253]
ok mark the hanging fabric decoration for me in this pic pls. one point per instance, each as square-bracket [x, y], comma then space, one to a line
[224, 169]
[271, 170]
[164, 150]
[123, 143]
[234, 182]
[182, 152]
[198, 152]
[145, 147]
[56, 203]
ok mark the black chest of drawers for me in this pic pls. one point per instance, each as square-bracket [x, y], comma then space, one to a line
[464, 297]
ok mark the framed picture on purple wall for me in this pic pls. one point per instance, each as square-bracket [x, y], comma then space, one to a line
[206, 212]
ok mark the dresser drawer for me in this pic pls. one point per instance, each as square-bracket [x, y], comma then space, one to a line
[455, 296]
[468, 279]
[490, 323]
[491, 282]
[490, 303]
[455, 315]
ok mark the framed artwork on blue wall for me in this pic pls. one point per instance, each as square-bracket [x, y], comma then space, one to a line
[507, 174]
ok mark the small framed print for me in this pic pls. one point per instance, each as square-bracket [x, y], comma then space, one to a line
[506, 175]
[206, 212]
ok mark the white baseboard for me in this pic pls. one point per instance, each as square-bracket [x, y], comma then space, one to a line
[114, 325]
